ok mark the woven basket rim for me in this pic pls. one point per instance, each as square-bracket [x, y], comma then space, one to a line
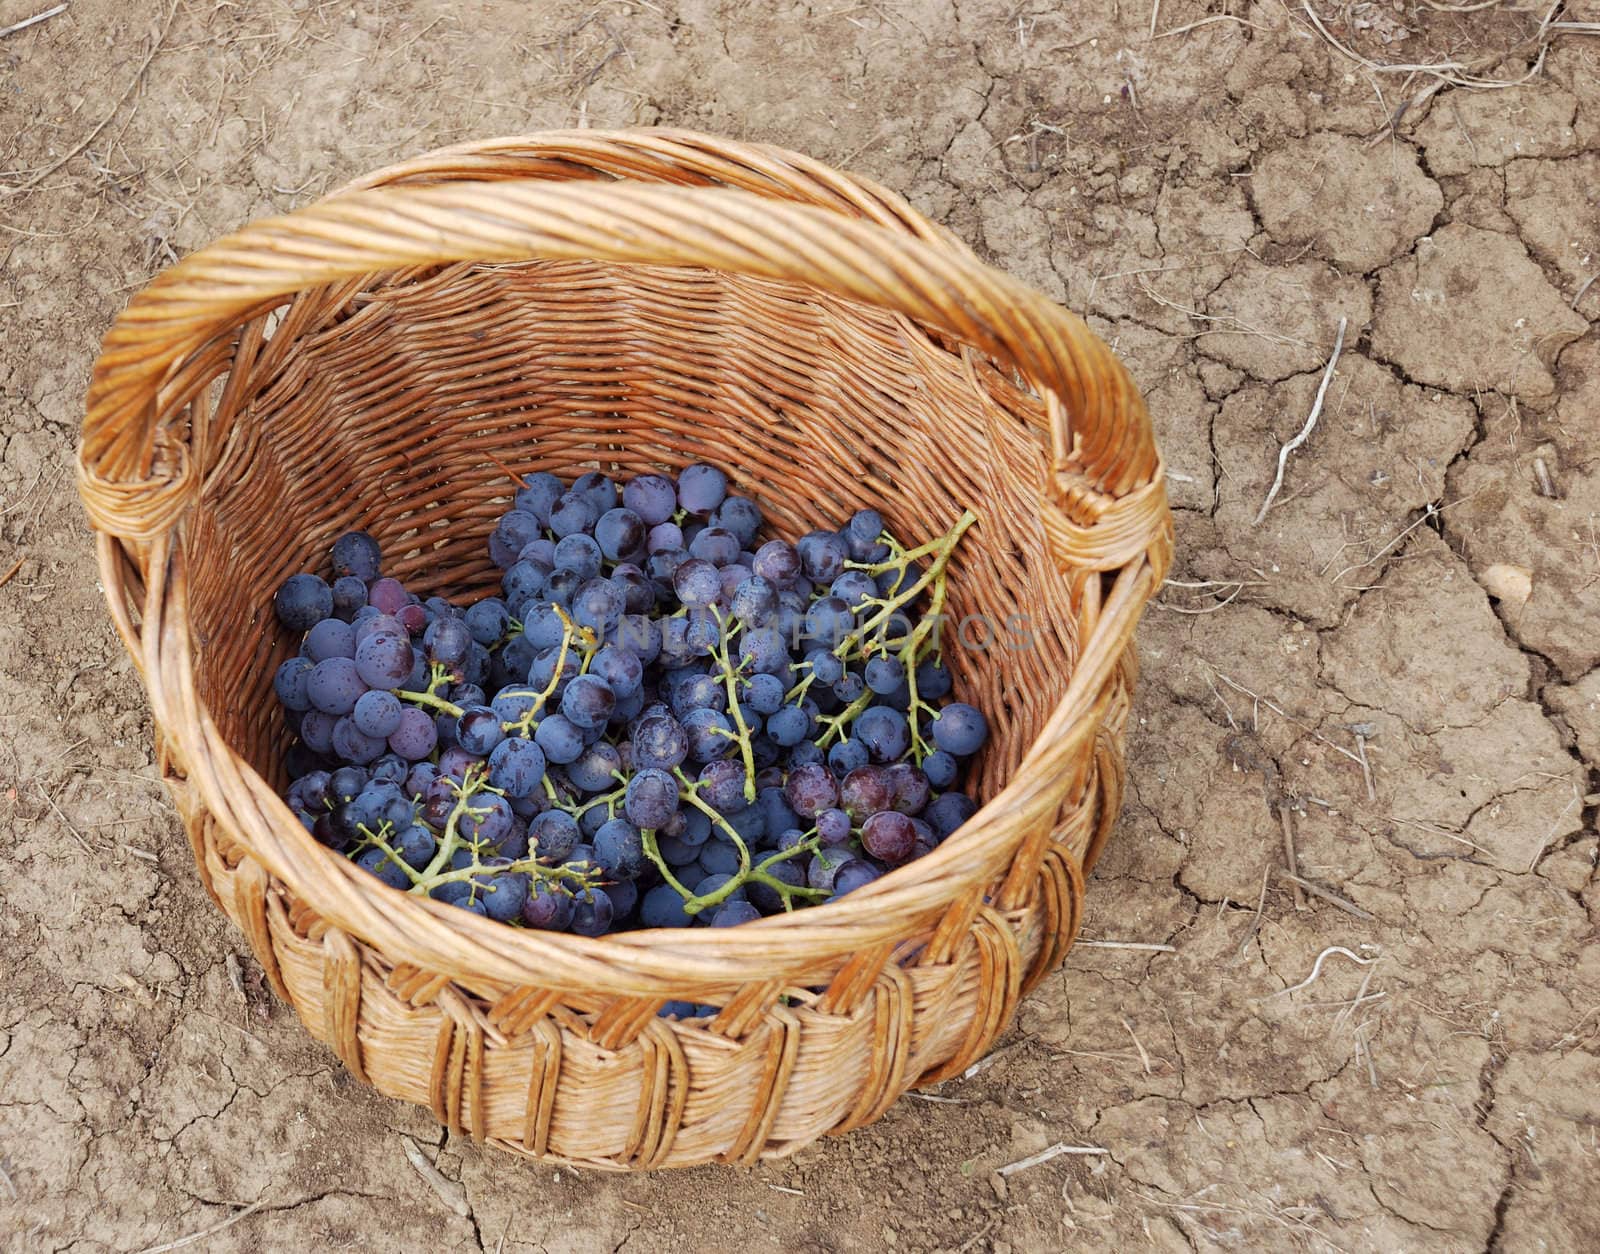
[646, 961]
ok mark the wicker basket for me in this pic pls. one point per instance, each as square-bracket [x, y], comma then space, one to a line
[634, 300]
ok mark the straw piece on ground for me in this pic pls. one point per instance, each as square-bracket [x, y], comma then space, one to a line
[1311, 422]
[193, 1237]
[450, 1193]
[1045, 1155]
[1333, 899]
[31, 21]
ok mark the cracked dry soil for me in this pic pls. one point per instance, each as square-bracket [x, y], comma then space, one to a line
[1213, 202]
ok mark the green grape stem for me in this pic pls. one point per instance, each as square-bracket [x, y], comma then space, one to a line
[838, 722]
[450, 839]
[435, 873]
[376, 839]
[524, 725]
[854, 645]
[720, 655]
[747, 873]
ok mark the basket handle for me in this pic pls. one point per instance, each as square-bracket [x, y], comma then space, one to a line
[137, 473]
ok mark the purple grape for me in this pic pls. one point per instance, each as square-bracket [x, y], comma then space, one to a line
[354, 745]
[388, 596]
[595, 767]
[662, 907]
[620, 532]
[377, 714]
[884, 732]
[866, 791]
[538, 495]
[302, 601]
[697, 583]
[741, 516]
[884, 674]
[811, 790]
[822, 555]
[910, 786]
[383, 661]
[580, 553]
[546, 908]
[592, 913]
[376, 624]
[571, 515]
[349, 595]
[701, 489]
[516, 767]
[733, 913]
[788, 727]
[487, 621]
[515, 528]
[652, 497]
[335, 686]
[948, 812]
[384, 867]
[664, 536]
[722, 786]
[833, 827]
[638, 593]
[846, 755]
[487, 820]
[941, 769]
[478, 730]
[715, 545]
[289, 683]
[755, 601]
[588, 702]
[619, 850]
[960, 729]
[709, 735]
[652, 798]
[553, 835]
[888, 836]
[828, 621]
[356, 553]
[719, 857]
[560, 740]
[332, 637]
[598, 605]
[525, 580]
[316, 730]
[852, 875]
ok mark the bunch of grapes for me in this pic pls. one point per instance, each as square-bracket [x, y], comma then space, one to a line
[665, 719]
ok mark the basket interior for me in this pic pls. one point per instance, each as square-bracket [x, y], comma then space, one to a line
[393, 404]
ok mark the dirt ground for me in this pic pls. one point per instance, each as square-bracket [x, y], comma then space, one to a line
[1404, 647]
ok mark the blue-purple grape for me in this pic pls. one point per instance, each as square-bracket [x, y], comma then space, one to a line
[515, 528]
[332, 637]
[516, 767]
[561, 741]
[701, 488]
[948, 812]
[960, 729]
[553, 836]
[356, 553]
[415, 737]
[652, 798]
[335, 686]
[377, 714]
[302, 601]
[592, 912]
[547, 908]
[538, 494]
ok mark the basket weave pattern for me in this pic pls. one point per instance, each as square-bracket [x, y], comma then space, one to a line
[633, 300]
